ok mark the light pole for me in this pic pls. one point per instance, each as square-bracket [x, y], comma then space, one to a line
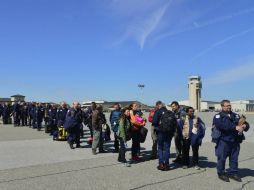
[141, 87]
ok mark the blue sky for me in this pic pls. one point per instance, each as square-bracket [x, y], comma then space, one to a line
[53, 50]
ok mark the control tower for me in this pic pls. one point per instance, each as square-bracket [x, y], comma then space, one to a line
[195, 86]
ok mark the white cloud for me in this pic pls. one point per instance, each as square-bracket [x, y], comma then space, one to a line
[221, 42]
[144, 17]
[146, 27]
[194, 25]
[234, 74]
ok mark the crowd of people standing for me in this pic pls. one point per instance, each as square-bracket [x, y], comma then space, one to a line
[128, 123]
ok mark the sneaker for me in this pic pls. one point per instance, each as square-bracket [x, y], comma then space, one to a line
[197, 167]
[235, 177]
[71, 146]
[224, 178]
[161, 167]
[136, 158]
[126, 164]
[185, 167]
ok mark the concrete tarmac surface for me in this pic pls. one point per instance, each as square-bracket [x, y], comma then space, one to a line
[30, 160]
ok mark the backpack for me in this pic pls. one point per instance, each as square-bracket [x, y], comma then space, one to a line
[114, 120]
[168, 122]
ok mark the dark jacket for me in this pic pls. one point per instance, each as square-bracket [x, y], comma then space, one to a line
[226, 123]
[73, 119]
[157, 117]
[98, 119]
[61, 116]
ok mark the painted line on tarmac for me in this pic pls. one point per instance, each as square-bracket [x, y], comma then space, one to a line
[52, 174]
[159, 182]
[183, 176]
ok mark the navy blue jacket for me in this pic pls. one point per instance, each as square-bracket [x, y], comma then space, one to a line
[38, 114]
[7, 111]
[61, 116]
[74, 118]
[226, 123]
[157, 117]
[52, 115]
[16, 108]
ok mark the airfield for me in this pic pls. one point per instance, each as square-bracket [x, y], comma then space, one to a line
[31, 160]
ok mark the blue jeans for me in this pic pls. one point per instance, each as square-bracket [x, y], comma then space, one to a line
[224, 150]
[164, 142]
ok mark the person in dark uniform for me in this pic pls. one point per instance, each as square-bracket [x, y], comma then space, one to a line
[16, 113]
[46, 115]
[52, 118]
[60, 118]
[72, 125]
[231, 126]
[31, 110]
[7, 113]
[1, 110]
[24, 114]
[38, 114]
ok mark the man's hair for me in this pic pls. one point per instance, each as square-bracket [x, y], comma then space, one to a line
[116, 104]
[223, 102]
[188, 109]
[175, 103]
[158, 103]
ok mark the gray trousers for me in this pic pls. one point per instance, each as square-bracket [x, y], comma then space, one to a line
[97, 140]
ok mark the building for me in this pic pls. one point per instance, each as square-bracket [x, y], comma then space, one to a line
[195, 86]
[108, 106]
[237, 106]
[243, 105]
[14, 98]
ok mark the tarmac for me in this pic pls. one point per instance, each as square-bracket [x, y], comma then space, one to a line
[31, 160]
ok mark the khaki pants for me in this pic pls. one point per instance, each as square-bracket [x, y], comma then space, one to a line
[154, 138]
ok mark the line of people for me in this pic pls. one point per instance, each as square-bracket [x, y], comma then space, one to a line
[129, 123]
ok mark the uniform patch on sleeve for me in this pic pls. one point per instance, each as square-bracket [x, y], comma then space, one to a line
[217, 116]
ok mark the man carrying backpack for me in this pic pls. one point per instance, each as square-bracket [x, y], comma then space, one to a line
[164, 123]
[114, 121]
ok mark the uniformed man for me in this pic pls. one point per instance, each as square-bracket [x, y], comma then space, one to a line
[7, 113]
[38, 114]
[1, 110]
[72, 125]
[31, 110]
[52, 118]
[231, 127]
[16, 113]
[24, 114]
[61, 114]
[46, 116]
